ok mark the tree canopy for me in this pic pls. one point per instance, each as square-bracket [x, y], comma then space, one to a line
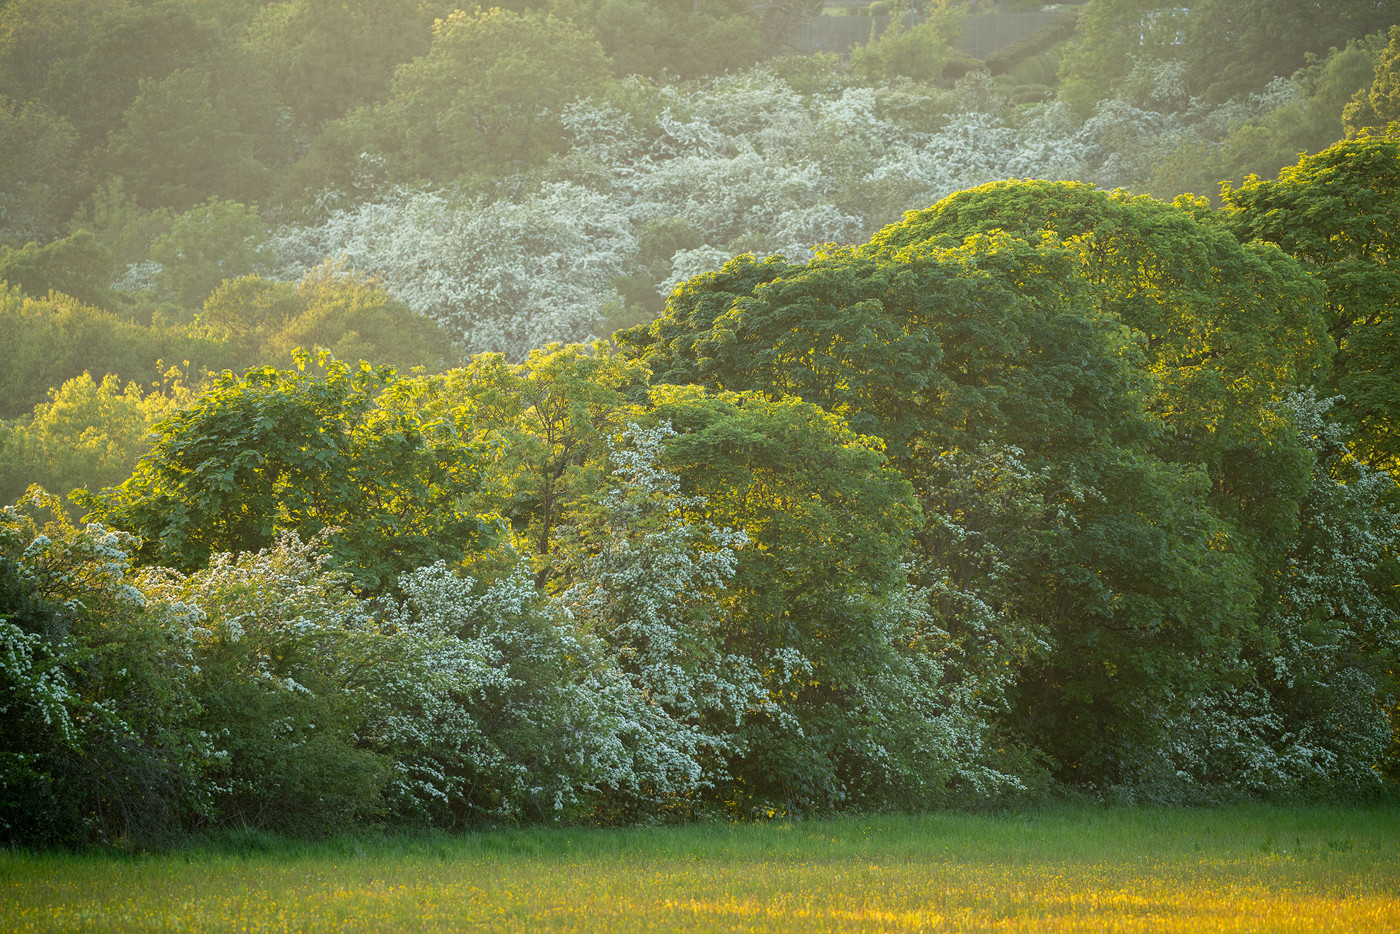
[1338, 212]
[354, 450]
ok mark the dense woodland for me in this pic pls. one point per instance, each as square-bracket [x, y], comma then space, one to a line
[542, 413]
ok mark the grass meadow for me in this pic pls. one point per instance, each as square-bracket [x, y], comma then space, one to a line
[1252, 868]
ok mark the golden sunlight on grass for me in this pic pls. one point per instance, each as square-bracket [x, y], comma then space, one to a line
[1257, 869]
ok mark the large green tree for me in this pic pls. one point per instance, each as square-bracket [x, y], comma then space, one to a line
[484, 100]
[1226, 329]
[1104, 369]
[1338, 212]
[305, 451]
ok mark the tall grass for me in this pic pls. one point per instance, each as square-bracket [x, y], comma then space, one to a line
[1244, 869]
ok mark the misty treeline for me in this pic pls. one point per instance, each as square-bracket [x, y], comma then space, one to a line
[679, 486]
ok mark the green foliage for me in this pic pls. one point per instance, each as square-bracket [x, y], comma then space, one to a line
[326, 57]
[125, 228]
[1028, 485]
[1311, 121]
[57, 338]
[1224, 329]
[96, 698]
[181, 142]
[84, 59]
[919, 52]
[1010, 57]
[88, 435]
[1112, 33]
[282, 654]
[78, 266]
[359, 451]
[548, 421]
[1339, 212]
[1076, 355]
[485, 98]
[1279, 34]
[808, 620]
[818, 603]
[666, 39]
[333, 309]
[207, 245]
[1375, 107]
[38, 171]
[1208, 38]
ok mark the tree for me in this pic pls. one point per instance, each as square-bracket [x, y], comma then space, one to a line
[97, 694]
[496, 704]
[1226, 329]
[1229, 47]
[862, 708]
[39, 168]
[1111, 35]
[274, 450]
[486, 97]
[327, 57]
[649, 579]
[1337, 212]
[1275, 38]
[180, 142]
[84, 59]
[56, 338]
[88, 435]
[77, 265]
[548, 422]
[332, 308]
[1375, 107]
[1266, 131]
[919, 52]
[205, 246]
[506, 276]
[1014, 359]
[660, 40]
[781, 637]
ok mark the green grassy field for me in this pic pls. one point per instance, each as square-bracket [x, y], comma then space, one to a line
[1240, 869]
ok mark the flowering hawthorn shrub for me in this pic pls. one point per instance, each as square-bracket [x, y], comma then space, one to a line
[97, 693]
[648, 582]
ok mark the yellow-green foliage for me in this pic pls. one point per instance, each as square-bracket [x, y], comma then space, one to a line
[88, 434]
[1324, 869]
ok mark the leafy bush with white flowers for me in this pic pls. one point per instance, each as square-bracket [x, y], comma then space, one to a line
[647, 583]
[507, 274]
[285, 662]
[1310, 709]
[97, 692]
[498, 706]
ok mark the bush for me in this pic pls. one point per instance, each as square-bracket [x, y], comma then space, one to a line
[97, 693]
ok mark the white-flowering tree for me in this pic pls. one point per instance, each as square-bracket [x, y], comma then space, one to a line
[647, 582]
[286, 658]
[1311, 708]
[97, 693]
[498, 704]
[503, 275]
